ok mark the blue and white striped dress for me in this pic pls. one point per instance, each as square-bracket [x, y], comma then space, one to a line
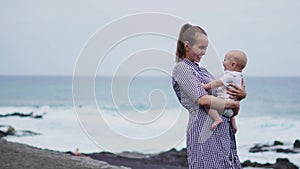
[205, 149]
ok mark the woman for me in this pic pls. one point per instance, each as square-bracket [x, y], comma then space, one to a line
[205, 149]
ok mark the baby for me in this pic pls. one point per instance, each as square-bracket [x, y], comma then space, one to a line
[234, 63]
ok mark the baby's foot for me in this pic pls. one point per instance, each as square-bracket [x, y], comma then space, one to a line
[215, 124]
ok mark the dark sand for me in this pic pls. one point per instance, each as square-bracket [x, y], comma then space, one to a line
[19, 156]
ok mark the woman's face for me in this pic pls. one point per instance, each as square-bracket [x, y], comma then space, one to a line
[195, 52]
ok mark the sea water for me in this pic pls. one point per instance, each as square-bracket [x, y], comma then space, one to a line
[271, 111]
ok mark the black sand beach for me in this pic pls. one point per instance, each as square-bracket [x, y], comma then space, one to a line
[18, 156]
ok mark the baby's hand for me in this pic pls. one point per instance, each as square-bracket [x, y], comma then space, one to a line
[206, 86]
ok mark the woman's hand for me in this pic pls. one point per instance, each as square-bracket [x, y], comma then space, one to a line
[234, 105]
[236, 92]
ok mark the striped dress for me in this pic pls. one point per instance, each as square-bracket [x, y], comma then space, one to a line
[205, 149]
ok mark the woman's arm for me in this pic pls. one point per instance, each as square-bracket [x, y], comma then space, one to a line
[212, 102]
[236, 92]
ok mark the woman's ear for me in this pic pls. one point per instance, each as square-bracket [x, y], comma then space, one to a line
[186, 45]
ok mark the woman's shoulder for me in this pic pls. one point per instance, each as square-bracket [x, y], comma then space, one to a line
[180, 66]
[184, 64]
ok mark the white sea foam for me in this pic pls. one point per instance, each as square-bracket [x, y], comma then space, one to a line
[265, 130]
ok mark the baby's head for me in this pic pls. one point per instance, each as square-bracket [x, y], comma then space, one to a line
[235, 60]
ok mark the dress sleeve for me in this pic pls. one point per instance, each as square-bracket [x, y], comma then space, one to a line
[189, 82]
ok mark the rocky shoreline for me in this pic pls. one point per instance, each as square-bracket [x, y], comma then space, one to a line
[281, 163]
[16, 155]
[171, 159]
[258, 148]
[19, 156]
[174, 159]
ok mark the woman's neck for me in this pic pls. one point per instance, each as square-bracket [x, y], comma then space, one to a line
[188, 58]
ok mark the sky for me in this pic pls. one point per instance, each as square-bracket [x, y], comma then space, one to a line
[46, 37]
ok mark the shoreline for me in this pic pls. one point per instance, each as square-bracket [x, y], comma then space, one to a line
[17, 155]
[169, 159]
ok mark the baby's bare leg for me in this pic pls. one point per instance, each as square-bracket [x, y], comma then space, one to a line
[234, 124]
[214, 115]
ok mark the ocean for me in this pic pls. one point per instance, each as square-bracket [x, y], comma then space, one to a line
[142, 115]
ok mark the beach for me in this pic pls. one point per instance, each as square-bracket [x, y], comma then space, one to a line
[42, 113]
[16, 156]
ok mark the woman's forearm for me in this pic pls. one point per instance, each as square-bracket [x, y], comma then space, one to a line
[212, 102]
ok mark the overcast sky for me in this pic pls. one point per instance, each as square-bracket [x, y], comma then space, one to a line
[46, 37]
